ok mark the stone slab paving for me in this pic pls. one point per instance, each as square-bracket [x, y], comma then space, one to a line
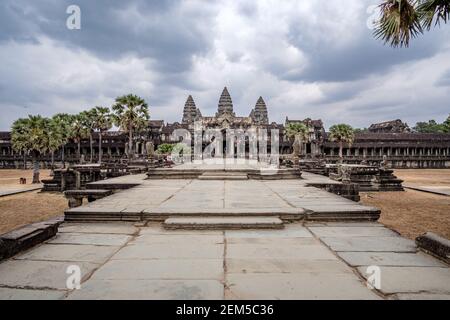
[149, 290]
[126, 261]
[27, 294]
[405, 273]
[370, 244]
[389, 259]
[98, 239]
[69, 252]
[440, 190]
[164, 197]
[297, 286]
[36, 274]
[413, 279]
[6, 191]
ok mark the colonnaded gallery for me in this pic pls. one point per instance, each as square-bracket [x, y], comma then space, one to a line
[392, 141]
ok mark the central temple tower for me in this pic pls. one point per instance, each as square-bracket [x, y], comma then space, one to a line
[225, 104]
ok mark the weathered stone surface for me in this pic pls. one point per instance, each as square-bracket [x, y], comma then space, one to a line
[343, 224]
[421, 296]
[286, 198]
[219, 223]
[441, 190]
[91, 238]
[171, 251]
[113, 228]
[299, 286]
[285, 265]
[290, 231]
[161, 269]
[395, 244]
[39, 274]
[27, 294]
[178, 239]
[389, 259]
[313, 252]
[26, 237]
[352, 232]
[70, 252]
[282, 242]
[149, 290]
[413, 279]
[435, 245]
[157, 229]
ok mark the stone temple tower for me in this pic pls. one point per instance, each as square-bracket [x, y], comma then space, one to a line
[225, 104]
[190, 111]
[259, 114]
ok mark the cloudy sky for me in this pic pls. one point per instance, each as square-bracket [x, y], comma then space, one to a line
[308, 58]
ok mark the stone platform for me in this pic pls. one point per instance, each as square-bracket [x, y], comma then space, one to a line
[157, 200]
[439, 190]
[303, 261]
[228, 169]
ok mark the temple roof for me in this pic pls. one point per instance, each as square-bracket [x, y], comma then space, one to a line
[389, 126]
[190, 111]
[156, 123]
[261, 105]
[314, 123]
[225, 102]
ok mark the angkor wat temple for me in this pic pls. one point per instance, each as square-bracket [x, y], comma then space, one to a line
[391, 140]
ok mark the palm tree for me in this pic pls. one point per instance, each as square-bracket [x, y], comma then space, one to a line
[102, 122]
[31, 135]
[55, 139]
[342, 133]
[63, 122]
[88, 118]
[300, 133]
[78, 131]
[402, 20]
[130, 114]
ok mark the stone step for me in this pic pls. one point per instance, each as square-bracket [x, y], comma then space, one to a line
[224, 173]
[223, 177]
[221, 223]
[86, 214]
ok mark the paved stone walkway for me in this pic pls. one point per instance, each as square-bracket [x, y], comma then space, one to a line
[156, 197]
[440, 190]
[312, 261]
[10, 191]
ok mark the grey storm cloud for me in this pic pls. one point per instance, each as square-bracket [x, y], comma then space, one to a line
[309, 58]
[151, 28]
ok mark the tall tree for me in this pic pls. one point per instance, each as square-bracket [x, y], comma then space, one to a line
[130, 114]
[402, 20]
[31, 135]
[88, 118]
[432, 126]
[446, 125]
[342, 133]
[63, 122]
[55, 139]
[102, 122]
[79, 131]
[299, 132]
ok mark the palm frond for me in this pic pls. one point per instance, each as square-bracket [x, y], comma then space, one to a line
[399, 22]
[433, 10]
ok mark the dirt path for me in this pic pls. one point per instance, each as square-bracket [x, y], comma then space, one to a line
[29, 207]
[413, 213]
